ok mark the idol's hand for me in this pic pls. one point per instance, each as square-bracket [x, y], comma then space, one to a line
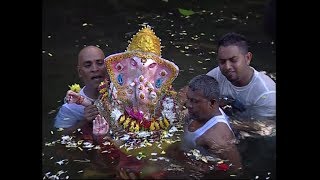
[100, 126]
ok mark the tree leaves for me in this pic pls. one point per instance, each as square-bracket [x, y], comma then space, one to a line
[186, 12]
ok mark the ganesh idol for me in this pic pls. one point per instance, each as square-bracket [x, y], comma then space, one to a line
[137, 99]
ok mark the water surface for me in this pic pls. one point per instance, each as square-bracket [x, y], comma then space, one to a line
[188, 41]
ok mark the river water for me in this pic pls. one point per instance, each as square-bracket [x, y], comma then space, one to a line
[188, 41]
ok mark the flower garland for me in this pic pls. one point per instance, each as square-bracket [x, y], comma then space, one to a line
[133, 120]
[103, 90]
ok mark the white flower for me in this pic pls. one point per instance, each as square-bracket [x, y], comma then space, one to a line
[87, 145]
[125, 137]
[169, 100]
[169, 115]
[173, 129]
[61, 161]
[168, 106]
[66, 138]
[168, 103]
[143, 134]
[115, 114]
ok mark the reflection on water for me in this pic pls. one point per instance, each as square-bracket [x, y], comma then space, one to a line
[71, 157]
[189, 41]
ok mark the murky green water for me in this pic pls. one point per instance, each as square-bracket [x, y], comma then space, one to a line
[190, 42]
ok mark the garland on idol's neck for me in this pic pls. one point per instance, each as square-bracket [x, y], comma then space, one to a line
[132, 119]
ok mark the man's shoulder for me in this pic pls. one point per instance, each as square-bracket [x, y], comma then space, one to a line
[221, 127]
[71, 107]
[220, 133]
[216, 73]
[213, 72]
[264, 81]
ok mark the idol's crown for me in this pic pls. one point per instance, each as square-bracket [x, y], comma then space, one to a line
[146, 41]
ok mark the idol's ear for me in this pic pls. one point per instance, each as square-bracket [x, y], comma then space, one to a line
[121, 68]
[165, 74]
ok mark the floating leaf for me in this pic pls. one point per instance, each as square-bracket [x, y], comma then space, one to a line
[186, 12]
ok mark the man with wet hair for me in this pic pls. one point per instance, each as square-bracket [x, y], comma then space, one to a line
[207, 128]
[92, 72]
[251, 93]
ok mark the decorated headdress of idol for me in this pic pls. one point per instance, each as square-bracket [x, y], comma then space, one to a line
[140, 96]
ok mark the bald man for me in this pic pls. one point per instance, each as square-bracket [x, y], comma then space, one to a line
[92, 72]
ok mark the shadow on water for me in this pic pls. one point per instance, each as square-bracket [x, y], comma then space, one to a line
[188, 41]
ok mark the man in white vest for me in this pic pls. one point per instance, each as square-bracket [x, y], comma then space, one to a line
[251, 92]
